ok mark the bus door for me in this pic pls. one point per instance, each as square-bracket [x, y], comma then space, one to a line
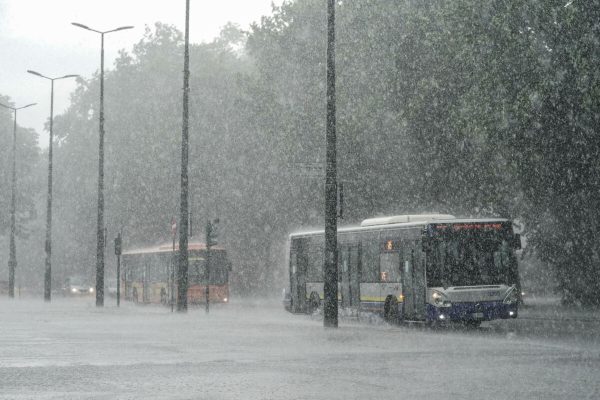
[298, 270]
[414, 283]
[419, 281]
[348, 269]
[354, 256]
[146, 282]
[408, 286]
[389, 275]
[124, 276]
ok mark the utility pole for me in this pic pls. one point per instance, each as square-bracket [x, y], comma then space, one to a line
[330, 289]
[182, 270]
[100, 234]
[48, 243]
[12, 258]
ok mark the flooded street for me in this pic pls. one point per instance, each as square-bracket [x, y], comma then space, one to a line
[254, 349]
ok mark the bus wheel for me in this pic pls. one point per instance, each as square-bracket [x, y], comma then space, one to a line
[135, 295]
[390, 310]
[314, 302]
[163, 296]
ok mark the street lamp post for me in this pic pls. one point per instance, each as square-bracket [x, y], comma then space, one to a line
[330, 307]
[182, 267]
[100, 230]
[12, 259]
[48, 246]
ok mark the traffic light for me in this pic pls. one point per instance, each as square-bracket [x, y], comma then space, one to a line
[211, 232]
[118, 246]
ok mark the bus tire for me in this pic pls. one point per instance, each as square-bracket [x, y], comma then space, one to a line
[314, 302]
[134, 296]
[390, 310]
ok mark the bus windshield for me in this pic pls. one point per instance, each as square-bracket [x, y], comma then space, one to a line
[470, 260]
[218, 273]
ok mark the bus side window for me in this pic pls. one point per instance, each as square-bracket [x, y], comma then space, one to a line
[293, 262]
[370, 261]
[390, 267]
[383, 275]
[315, 264]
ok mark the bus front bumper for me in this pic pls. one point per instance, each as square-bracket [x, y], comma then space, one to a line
[472, 311]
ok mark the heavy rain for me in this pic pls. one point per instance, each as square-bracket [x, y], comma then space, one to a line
[315, 199]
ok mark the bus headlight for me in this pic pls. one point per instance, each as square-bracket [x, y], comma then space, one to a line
[440, 299]
[91, 290]
[512, 296]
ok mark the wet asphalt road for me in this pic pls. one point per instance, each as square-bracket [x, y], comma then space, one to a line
[253, 349]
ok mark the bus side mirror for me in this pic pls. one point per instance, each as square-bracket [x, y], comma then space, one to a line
[516, 242]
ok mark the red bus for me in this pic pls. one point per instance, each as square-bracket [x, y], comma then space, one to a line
[148, 273]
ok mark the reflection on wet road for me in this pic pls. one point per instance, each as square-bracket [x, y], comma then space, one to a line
[256, 350]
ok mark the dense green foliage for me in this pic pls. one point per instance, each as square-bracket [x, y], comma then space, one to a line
[475, 108]
[556, 146]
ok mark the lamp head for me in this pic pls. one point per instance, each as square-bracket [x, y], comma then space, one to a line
[35, 73]
[81, 26]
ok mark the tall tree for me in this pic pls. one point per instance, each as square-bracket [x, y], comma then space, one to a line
[558, 146]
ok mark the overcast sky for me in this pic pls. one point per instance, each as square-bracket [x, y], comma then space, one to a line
[38, 35]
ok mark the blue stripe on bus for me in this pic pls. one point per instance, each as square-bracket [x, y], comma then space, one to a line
[457, 312]
[489, 310]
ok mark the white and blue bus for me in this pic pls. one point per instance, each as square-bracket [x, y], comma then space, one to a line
[431, 268]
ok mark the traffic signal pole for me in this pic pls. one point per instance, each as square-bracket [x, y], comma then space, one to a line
[207, 288]
[173, 263]
[211, 240]
[118, 251]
